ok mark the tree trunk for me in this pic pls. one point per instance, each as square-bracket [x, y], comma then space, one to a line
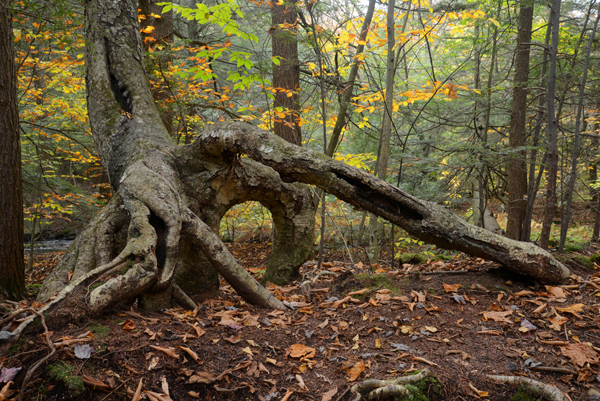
[167, 194]
[383, 154]
[550, 206]
[12, 265]
[517, 170]
[573, 175]
[286, 75]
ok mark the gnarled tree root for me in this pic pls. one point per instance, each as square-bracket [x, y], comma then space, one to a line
[534, 387]
[381, 389]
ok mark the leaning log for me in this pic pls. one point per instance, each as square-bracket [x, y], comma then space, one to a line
[425, 220]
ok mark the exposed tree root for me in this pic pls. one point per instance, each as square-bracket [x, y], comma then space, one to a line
[394, 388]
[534, 387]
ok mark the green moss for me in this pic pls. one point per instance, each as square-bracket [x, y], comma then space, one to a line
[595, 257]
[424, 390]
[33, 289]
[63, 372]
[377, 281]
[523, 395]
[585, 261]
[127, 266]
[96, 285]
[412, 258]
[99, 330]
[573, 248]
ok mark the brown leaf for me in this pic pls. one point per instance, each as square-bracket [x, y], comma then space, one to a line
[497, 316]
[573, 309]
[359, 292]
[137, 396]
[169, 351]
[6, 391]
[418, 296]
[233, 340]
[128, 325]
[356, 370]
[556, 292]
[324, 324]
[451, 287]
[199, 331]
[202, 377]
[95, 384]
[152, 396]
[522, 293]
[191, 353]
[329, 395]
[287, 395]
[580, 354]
[301, 351]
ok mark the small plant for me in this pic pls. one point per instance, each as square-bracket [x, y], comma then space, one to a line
[63, 372]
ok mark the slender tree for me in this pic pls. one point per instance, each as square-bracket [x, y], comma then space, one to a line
[517, 170]
[552, 158]
[12, 268]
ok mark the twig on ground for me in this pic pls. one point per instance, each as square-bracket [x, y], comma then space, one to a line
[39, 363]
[534, 387]
[554, 369]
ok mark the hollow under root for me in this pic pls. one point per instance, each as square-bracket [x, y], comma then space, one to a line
[394, 388]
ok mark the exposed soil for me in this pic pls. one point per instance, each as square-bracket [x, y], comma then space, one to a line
[398, 322]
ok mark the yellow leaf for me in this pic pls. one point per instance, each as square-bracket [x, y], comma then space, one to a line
[148, 29]
[378, 343]
[493, 21]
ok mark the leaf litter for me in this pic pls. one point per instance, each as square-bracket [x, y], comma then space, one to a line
[228, 349]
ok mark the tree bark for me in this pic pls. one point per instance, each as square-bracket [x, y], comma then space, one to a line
[517, 170]
[12, 267]
[167, 195]
[550, 206]
[286, 75]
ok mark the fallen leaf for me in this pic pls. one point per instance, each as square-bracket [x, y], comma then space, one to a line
[7, 374]
[202, 377]
[301, 383]
[355, 370]
[6, 391]
[572, 309]
[522, 293]
[556, 292]
[329, 394]
[451, 287]
[233, 340]
[137, 396]
[248, 351]
[169, 351]
[153, 363]
[418, 296]
[128, 325]
[191, 353]
[199, 331]
[324, 324]
[157, 397]
[479, 393]
[95, 384]
[271, 361]
[557, 321]
[359, 292]
[301, 351]
[287, 395]
[431, 329]
[497, 316]
[580, 354]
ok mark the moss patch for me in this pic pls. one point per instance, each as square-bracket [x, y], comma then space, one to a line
[99, 330]
[523, 395]
[587, 262]
[65, 373]
[33, 289]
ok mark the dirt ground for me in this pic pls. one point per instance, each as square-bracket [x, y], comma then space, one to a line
[464, 319]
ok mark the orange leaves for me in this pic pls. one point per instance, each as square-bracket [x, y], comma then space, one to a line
[170, 351]
[355, 370]
[497, 316]
[300, 351]
[451, 287]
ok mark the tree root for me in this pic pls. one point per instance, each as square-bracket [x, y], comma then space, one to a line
[394, 388]
[534, 387]
[226, 264]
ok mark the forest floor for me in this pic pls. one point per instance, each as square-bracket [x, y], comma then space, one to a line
[464, 319]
